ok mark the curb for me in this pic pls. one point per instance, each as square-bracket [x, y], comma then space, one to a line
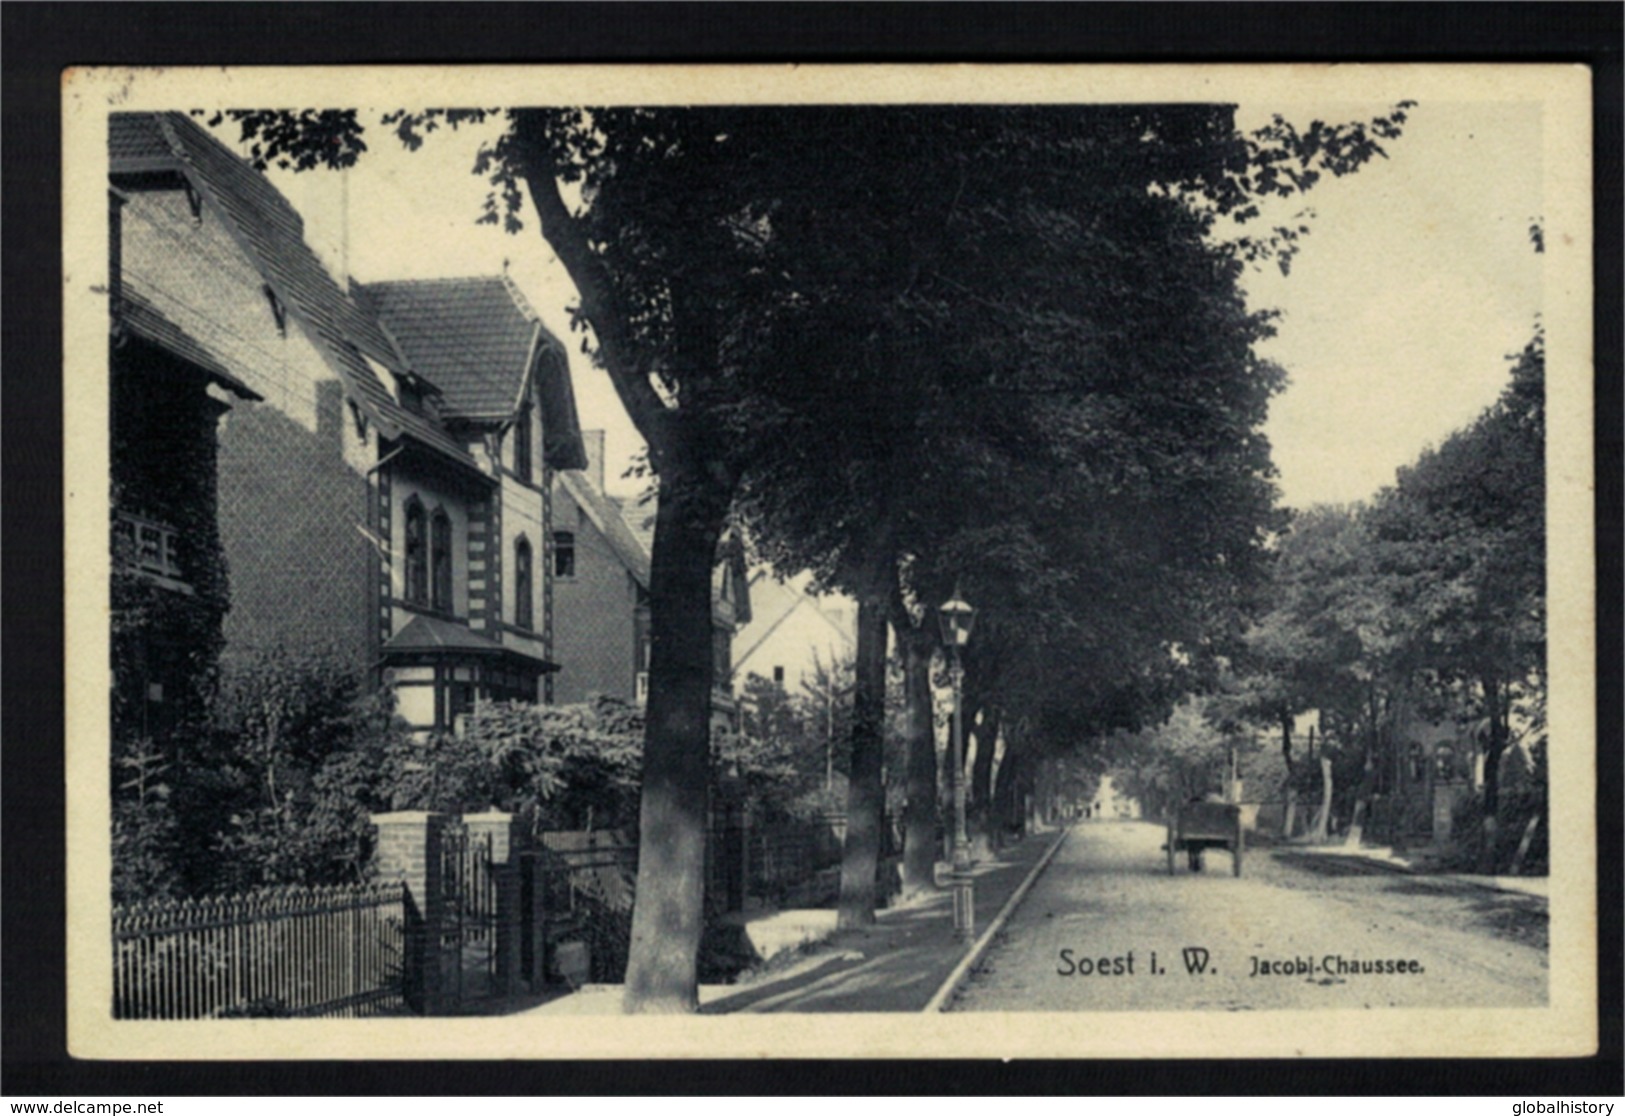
[939, 1002]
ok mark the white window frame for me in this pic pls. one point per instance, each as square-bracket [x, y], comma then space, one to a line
[163, 561]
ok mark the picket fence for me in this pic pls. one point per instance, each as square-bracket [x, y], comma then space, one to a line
[328, 951]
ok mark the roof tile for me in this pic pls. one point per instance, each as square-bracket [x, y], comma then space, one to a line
[468, 336]
[432, 635]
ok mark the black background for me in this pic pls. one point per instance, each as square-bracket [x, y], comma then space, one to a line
[39, 40]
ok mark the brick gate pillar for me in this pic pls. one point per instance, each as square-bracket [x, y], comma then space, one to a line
[409, 850]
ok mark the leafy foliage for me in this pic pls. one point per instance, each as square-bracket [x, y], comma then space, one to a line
[145, 830]
[298, 139]
[1183, 758]
[298, 753]
[572, 766]
[297, 742]
[1463, 533]
[1431, 599]
[785, 297]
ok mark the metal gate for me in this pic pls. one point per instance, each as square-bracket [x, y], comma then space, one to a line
[468, 925]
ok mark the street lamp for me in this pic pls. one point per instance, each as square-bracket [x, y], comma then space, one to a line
[957, 619]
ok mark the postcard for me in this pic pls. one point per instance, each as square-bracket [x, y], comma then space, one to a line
[861, 561]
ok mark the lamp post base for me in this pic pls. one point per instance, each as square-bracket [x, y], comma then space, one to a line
[964, 887]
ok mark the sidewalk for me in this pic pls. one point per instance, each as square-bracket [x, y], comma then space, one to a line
[895, 965]
[1387, 859]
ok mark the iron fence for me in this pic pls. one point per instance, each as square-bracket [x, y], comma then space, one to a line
[333, 951]
[353, 951]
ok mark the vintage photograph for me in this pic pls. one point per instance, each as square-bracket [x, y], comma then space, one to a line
[842, 561]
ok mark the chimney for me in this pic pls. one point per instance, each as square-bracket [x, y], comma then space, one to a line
[593, 440]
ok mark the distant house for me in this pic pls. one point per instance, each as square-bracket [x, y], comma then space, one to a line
[601, 584]
[383, 461]
[601, 588]
[792, 633]
[1432, 765]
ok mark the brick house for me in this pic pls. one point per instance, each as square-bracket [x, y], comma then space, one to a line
[601, 583]
[364, 509]
[167, 392]
[601, 588]
[1431, 765]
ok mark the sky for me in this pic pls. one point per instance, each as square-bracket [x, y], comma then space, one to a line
[1416, 281]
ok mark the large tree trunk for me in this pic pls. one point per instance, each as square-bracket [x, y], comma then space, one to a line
[981, 783]
[920, 846]
[1323, 816]
[1368, 775]
[1291, 792]
[866, 795]
[668, 912]
[1011, 790]
[1492, 777]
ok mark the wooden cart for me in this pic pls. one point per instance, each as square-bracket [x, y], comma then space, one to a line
[1199, 826]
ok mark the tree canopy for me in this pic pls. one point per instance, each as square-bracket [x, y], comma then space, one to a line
[1433, 595]
[829, 292]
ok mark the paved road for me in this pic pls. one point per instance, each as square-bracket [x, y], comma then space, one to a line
[1106, 928]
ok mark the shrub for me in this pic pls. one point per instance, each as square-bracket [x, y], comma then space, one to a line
[570, 766]
[145, 832]
[1522, 797]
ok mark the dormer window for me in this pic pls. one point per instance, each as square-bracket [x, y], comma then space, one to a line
[279, 313]
[564, 554]
[411, 394]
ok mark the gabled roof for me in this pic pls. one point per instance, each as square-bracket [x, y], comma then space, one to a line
[640, 517]
[143, 320]
[605, 515]
[469, 336]
[134, 137]
[782, 600]
[272, 235]
[478, 340]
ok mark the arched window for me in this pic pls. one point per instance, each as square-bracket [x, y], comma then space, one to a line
[442, 561]
[523, 615]
[417, 556]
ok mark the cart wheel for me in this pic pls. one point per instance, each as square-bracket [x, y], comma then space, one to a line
[1171, 848]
